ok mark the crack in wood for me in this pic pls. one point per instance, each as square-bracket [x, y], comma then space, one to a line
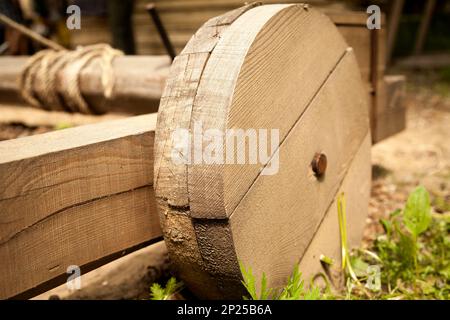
[24, 229]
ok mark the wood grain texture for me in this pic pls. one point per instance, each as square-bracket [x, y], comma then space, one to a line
[277, 100]
[391, 112]
[138, 83]
[127, 278]
[394, 21]
[171, 181]
[327, 241]
[335, 124]
[267, 69]
[73, 197]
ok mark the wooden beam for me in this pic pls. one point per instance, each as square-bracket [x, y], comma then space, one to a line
[391, 114]
[10, 23]
[394, 21]
[129, 277]
[327, 242]
[199, 6]
[424, 26]
[374, 75]
[139, 81]
[426, 61]
[78, 197]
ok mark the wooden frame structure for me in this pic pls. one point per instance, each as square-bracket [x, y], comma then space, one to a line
[84, 195]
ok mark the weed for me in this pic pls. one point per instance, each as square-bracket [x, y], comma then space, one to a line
[294, 289]
[414, 252]
[157, 292]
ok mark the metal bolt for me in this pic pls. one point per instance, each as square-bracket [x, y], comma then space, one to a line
[319, 164]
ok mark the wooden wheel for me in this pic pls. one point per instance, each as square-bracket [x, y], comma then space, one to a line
[281, 67]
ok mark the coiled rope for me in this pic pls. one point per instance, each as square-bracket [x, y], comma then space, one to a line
[51, 78]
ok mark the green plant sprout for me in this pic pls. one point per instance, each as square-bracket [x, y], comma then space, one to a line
[412, 258]
[157, 292]
[414, 253]
[294, 289]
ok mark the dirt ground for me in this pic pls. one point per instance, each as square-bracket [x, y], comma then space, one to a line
[418, 155]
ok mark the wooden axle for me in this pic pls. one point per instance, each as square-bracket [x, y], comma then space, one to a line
[139, 81]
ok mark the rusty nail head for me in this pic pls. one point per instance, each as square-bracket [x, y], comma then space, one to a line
[319, 164]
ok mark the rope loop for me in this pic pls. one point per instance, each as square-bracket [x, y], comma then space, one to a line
[51, 78]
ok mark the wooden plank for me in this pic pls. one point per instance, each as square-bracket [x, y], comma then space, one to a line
[424, 26]
[358, 38]
[225, 5]
[127, 278]
[138, 83]
[74, 196]
[374, 76]
[427, 61]
[381, 52]
[378, 99]
[207, 204]
[394, 21]
[389, 123]
[391, 114]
